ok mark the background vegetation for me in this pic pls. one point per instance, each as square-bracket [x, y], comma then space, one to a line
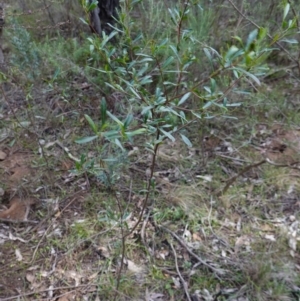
[164, 154]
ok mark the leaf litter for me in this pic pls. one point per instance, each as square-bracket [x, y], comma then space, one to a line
[208, 238]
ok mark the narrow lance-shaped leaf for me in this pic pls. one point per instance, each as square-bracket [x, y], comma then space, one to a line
[91, 123]
[103, 109]
[186, 140]
[114, 118]
[212, 86]
[86, 139]
[119, 144]
[286, 10]
[250, 75]
[184, 98]
[251, 39]
[168, 135]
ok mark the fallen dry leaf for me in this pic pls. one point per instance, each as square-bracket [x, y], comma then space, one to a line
[132, 267]
[270, 237]
[18, 255]
[30, 277]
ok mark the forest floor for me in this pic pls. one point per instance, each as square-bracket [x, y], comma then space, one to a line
[223, 218]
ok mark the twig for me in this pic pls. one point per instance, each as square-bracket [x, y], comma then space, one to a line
[232, 179]
[7, 220]
[148, 188]
[47, 217]
[215, 270]
[179, 274]
[283, 165]
[67, 151]
[17, 297]
[123, 247]
[145, 222]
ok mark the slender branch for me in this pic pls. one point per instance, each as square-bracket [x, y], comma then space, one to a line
[203, 262]
[233, 179]
[179, 274]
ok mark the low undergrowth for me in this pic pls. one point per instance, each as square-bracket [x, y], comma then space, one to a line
[163, 167]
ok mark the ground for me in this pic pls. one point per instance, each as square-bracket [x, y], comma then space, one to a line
[224, 217]
[221, 219]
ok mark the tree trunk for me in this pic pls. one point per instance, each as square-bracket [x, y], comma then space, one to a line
[2, 62]
[103, 15]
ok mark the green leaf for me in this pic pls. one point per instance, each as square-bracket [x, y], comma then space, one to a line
[208, 54]
[128, 120]
[182, 116]
[112, 34]
[91, 123]
[286, 10]
[236, 104]
[212, 86]
[119, 144]
[239, 39]
[174, 49]
[114, 118]
[250, 75]
[84, 21]
[167, 134]
[103, 109]
[146, 80]
[134, 92]
[111, 134]
[231, 54]
[251, 39]
[207, 105]
[136, 132]
[262, 33]
[146, 109]
[86, 139]
[289, 41]
[92, 6]
[186, 140]
[168, 61]
[275, 38]
[184, 98]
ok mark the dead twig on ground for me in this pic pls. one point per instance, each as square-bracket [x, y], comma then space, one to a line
[230, 181]
[179, 274]
[233, 179]
[203, 262]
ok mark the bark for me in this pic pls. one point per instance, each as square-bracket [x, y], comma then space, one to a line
[2, 63]
[103, 15]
